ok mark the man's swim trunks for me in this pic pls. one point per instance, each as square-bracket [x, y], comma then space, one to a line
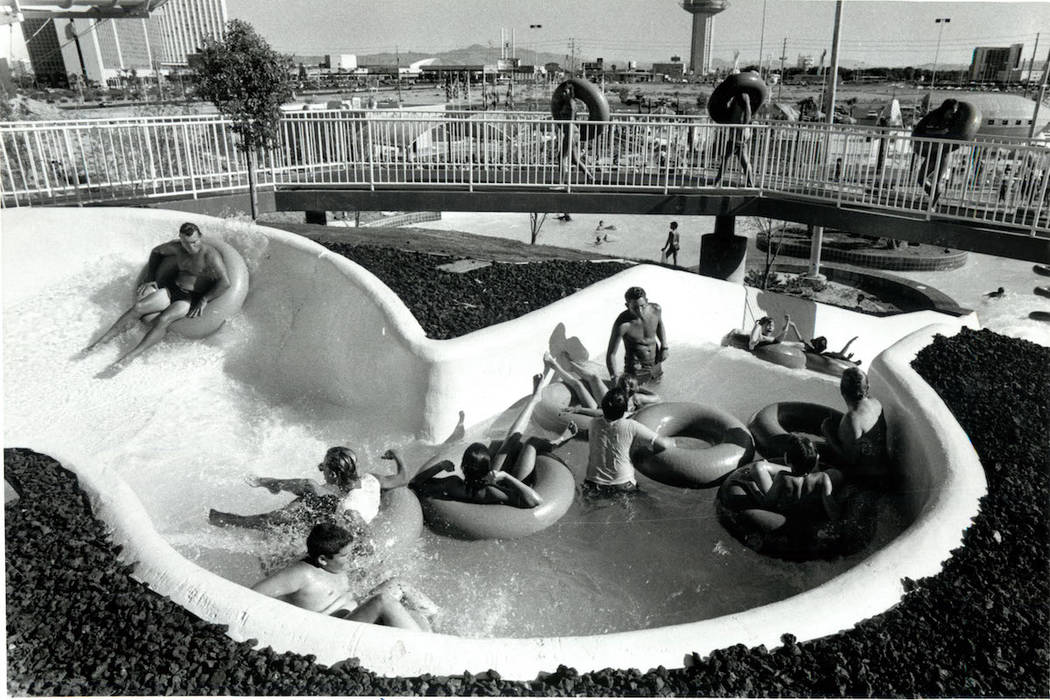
[177, 293]
[644, 372]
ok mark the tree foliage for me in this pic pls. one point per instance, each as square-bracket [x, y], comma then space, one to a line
[247, 81]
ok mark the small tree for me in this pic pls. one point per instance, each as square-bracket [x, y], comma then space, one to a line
[247, 81]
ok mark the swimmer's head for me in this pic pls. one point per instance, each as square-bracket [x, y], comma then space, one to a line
[765, 321]
[327, 540]
[614, 404]
[674, 225]
[190, 237]
[801, 454]
[340, 466]
[854, 384]
[634, 293]
[476, 464]
[820, 343]
[627, 383]
[635, 299]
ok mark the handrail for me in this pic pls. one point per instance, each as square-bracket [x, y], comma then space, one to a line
[93, 160]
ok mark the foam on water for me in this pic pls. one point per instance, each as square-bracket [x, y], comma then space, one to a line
[183, 428]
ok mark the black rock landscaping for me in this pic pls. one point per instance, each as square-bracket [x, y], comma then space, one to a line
[78, 624]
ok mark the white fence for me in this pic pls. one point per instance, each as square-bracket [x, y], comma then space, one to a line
[1002, 183]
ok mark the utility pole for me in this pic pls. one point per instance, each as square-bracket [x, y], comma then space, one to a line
[1031, 64]
[397, 54]
[783, 57]
[1042, 93]
[761, 42]
[817, 241]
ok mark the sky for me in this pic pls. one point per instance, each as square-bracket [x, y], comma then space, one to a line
[874, 32]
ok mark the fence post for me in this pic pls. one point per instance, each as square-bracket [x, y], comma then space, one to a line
[935, 184]
[371, 158]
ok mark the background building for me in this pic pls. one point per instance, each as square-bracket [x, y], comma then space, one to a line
[186, 23]
[45, 52]
[111, 49]
[995, 63]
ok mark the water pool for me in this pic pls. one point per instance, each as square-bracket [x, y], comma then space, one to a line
[185, 424]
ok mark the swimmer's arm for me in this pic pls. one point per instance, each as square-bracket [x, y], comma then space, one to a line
[429, 472]
[660, 334]
[614, 345]
[755, 338]
[300, 487]
[784, 329]
[647, 436]
[280, 585]
[222, 277]
[398, 478]
[519, 493]
[831, 506]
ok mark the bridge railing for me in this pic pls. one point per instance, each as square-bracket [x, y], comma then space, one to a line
[1002, 182]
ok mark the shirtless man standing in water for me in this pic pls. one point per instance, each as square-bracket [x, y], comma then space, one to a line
[641, 328]
[201, 278]
[320, 583]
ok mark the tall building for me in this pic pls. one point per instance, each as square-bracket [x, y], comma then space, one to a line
[995, 63]
[45, 52]
[186, 23]
[703, 12]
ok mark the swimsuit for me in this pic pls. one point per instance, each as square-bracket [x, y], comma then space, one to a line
[177, 293]
[871, 446]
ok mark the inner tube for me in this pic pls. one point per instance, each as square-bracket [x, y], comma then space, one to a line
[399, 522]
[1043, 270]
[588, 93]
[778, 353]
[803, 539]
[474, 521]
[692, 467]
[748, 82]
[1042, 291]
[962, 127]
[826, 365]
[1039, 315]
[554, 398]
[770, 426]
[216, 312]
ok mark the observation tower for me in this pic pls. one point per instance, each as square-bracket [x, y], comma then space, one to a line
[703, 12]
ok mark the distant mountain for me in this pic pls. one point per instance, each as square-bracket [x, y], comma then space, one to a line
[478, 54]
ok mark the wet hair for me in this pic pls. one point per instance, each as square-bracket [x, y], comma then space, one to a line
[764, 320]
[820, 343]
[854, 384]
[674, 224]
[950, 104]
[188, 229]
[634, 293]
[342, 460]
[476, 464]
[801, 454]
[326, 540]
[614, 404]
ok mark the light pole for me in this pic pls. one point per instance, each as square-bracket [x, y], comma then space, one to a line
[936, 57]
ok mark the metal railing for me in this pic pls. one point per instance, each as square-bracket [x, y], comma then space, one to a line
[1002, 182]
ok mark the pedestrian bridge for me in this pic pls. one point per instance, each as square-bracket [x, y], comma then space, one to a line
[993, 195]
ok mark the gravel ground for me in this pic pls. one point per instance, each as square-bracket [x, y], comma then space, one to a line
[78, 625]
